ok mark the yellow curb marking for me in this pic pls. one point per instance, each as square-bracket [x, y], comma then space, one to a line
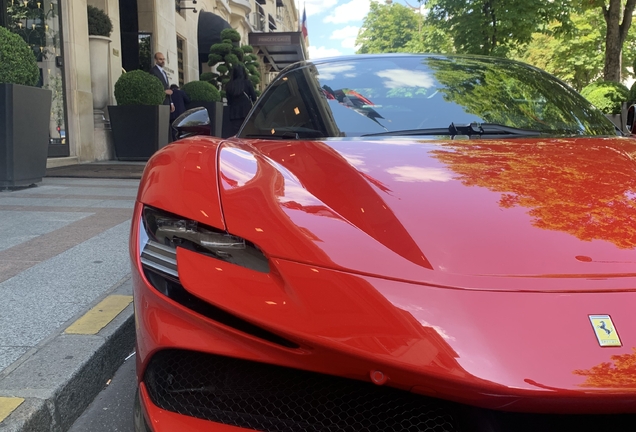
[97, 318]
[8, 405]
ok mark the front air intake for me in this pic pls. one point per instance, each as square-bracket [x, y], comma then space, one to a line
[272, 398]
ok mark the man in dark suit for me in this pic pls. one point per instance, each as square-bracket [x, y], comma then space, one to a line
[157, 70]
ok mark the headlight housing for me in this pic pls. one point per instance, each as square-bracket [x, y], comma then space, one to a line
[163, 232]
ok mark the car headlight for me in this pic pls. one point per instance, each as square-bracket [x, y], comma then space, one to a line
[163, 232]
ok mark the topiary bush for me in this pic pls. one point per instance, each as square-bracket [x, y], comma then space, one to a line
[17, 61]
[208, 77]
[139, 88]
[608, 96]
[202, 91]
[228, 53]
[99, 23]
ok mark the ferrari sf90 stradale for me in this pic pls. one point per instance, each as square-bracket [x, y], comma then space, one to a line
[391, 243]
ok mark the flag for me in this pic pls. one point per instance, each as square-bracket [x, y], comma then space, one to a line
[303, 23]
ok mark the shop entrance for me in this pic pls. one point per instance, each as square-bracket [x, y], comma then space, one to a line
[39, 24]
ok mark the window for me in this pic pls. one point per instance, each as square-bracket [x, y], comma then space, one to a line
[145, 51]
[180, 61]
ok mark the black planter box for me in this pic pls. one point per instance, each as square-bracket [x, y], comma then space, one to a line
[139, 130]
[215, 112]
[25, 114]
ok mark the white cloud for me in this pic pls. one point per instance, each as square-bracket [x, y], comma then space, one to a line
[345, 32]
[419, 174]
[321, 51]
[347, 35]
[314, 7]
[396, 78]
[355, 10]
[329, 71]
[349, 43]
[354, 160]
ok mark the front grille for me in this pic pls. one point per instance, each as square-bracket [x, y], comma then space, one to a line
[271, 398]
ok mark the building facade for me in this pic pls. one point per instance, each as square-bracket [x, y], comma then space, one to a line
[183, 30]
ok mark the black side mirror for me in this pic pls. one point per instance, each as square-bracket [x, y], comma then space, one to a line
[629, 124]
[195, 121]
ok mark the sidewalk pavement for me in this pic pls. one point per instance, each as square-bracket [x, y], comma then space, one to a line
[66, 316]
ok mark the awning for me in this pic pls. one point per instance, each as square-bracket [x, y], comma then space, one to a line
[209, 32]
[278, 49]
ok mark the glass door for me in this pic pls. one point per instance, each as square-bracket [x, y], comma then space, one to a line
[39, 24]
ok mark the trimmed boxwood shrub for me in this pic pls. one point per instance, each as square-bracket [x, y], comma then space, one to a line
[608, 96]
[209, 77]
[17, 61]
[99, 23]
[202, 91]
[139, 88]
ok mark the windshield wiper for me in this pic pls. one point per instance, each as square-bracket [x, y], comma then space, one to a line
[490, 129]
[407, 132]
[289, 133]
[471, 129]
[277, 135]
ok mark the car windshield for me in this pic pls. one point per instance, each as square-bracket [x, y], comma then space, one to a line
[421, 95]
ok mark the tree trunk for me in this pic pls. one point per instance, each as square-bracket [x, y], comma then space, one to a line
[616, 34]
[3, 13]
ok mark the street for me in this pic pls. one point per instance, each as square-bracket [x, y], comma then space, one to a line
[112, 409]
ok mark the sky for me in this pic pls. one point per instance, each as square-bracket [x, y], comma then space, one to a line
[332, 25]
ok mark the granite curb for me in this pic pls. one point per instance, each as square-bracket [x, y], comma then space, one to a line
[64, 374]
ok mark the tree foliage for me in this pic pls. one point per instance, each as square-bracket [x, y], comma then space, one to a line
[618, 18]
[386, 28]
[607, 96]
[579, 41]
[575, 57]
[227, 54]
[619, 373]
[494, 27]
[593, 200]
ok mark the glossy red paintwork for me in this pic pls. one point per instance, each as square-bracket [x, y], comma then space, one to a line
[400, 200]
[182, 179]
[463, 270]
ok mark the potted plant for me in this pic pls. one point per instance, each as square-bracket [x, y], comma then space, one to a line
[204, 94]
[99, 29]
[139, 121]
[25, 113]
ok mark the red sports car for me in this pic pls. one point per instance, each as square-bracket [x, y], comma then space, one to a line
[391, 243]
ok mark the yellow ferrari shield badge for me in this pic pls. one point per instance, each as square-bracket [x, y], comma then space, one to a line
[605, 331]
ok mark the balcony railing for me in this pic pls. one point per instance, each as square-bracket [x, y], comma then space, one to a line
[257, 21]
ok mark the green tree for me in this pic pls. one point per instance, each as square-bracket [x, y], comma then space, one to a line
[430, 39]
[495, 27]
[387, 28]
[575, 57]
[618, 19]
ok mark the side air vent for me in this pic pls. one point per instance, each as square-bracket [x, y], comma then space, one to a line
[172, 289]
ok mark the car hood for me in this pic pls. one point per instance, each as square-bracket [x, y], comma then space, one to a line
[460, 213]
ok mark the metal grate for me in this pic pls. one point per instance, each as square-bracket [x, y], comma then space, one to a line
[272, 398]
